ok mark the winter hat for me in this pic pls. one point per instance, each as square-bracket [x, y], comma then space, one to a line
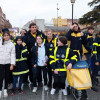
[5, 29]
[19, 37]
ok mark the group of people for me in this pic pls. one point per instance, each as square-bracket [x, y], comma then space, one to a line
[38, 58]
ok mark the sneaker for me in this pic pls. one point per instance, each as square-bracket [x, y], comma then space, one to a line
[13, 92]
[45, 88]
[10, 86]
[34, 89]
[0, 93]
[53, 91]
[64, 91]
[20, 91]
[5, 93]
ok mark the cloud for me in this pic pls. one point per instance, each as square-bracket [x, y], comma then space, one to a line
[20, 12]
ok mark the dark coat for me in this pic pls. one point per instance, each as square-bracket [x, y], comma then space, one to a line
[61, 55]
[88, 42]
[76, 40]
[52, 44]
[21, 66]
[96, 49]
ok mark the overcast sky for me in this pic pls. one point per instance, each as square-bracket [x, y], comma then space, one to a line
[19, 12]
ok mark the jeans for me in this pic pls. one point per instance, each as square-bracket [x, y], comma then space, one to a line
[15, 80]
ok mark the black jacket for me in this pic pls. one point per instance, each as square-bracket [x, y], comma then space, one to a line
[76, 40]
[51, 44]
[60, 58]
[21, 60]
[88, 42]
[96, 49]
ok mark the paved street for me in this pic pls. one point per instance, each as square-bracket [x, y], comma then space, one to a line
[43, 95]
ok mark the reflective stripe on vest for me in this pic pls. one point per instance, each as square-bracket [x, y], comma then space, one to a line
[60, 70]
[67, 52]
[96, 44]
[18, 73]
[44, 40]
[21, 59]
[77, 51]
[24, 50]
[94, 52]
[55, 43]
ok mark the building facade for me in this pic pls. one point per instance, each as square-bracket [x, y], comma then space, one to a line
[60, 22]
[4, 23]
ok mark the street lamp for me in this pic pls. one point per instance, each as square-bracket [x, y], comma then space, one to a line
[72, 1]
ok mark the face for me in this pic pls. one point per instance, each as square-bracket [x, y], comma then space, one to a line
[91, 31]
[33, 29]
[19, 41]
[59, 43]
[23, 33]
[6, 37]
[39, 40]
[49, 35]
[75, 27]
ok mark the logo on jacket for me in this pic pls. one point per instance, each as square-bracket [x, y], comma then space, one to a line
[51, 45]
[58, 55]
[62, 56]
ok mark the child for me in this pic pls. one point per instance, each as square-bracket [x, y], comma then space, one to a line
[39, 63]
[61, 58]
[7, 60]
[21, 65]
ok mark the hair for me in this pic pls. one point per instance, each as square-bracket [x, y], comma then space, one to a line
[37, 44]
[24, 30]
[63, 39]
[5, 32]
[77, 25]
[32, 24]
[90, 28]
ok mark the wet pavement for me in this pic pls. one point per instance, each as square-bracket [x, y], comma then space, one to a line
[45, 95]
